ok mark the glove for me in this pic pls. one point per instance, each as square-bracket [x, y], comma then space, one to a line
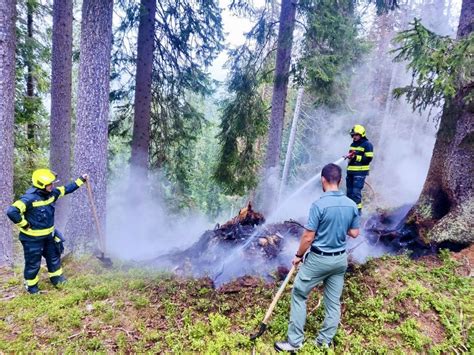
[58, 236]
[84, 177]
[59, 241]
[351, 155]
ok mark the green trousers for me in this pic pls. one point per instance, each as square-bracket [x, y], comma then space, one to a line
[330, 271]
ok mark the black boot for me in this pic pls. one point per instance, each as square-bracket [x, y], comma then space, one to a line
[32, 289]
[58, 280]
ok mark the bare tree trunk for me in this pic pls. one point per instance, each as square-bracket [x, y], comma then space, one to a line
[7, 117]
[466, 21]
[90, 149]
[388, 106]
[291, 142]
[142, 118]
[383, 30]
[445, 209]
[30, 86]
[61, 82]
[280, 90]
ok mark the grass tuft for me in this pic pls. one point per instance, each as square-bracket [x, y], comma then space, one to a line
[389, 305]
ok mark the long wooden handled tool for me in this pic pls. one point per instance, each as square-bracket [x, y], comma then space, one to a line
[264, 324]
[106, 261]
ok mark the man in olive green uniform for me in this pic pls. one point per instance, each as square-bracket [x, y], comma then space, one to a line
[331, 219]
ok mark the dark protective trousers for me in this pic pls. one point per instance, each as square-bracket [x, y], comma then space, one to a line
[36, 247]
[354, 185]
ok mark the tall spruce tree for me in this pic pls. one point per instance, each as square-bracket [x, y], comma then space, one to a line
[32, 85]
[61, 93]
[143, 95]
[187, 37]
[243, 122]
[443, 75]
[90, 148]
[271, 181]
[7, 110]
[328, 47]
[244, 110]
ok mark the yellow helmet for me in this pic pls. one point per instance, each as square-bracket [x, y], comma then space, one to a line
[43, 177]
[358, 129]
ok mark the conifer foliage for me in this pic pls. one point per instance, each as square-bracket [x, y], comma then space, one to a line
[243, 123]
[187, 38]
[443, 76]
[244, 111]
[32, 85]
[441, 65]
[324, 53]
[330, 47]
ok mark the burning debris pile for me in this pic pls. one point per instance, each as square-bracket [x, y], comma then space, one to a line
[243, 245]
[247, 246]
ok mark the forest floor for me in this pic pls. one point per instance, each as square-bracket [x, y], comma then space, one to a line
[391, 304]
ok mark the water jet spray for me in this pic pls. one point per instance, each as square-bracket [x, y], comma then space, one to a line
[299, 190]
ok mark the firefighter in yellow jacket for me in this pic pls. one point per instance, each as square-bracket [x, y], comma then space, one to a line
[361, 153]
[33, 213]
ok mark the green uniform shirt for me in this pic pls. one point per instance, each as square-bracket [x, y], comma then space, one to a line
[331, 217]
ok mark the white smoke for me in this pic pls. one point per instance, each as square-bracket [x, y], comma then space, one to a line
[140, 227]
[403, 140]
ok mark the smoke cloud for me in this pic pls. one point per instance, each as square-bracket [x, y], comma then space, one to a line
[403, 140]
[140, 227]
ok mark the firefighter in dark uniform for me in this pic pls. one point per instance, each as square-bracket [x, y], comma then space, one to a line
[361, 153]
[33, 214]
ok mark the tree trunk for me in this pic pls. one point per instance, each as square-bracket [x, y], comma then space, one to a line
[7, 117]
[445, 209]
[30, 86]
[60, 126]
[383, 31]
[142, 117]
[291, 143]
[466, 22]
[90, 149]
[280, 90]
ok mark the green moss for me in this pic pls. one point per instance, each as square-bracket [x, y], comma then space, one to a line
[94, 344]
[136, 284]
[156, 313]
[424, 209]
[410, 332]
[141, 302]
[456, 226]
[121, 342]
[99, 292]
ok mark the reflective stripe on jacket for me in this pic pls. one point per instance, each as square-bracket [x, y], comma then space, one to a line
[36, 209]
[360, 165]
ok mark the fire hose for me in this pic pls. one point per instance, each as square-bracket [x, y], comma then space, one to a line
[264, 323]
[348, 156]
